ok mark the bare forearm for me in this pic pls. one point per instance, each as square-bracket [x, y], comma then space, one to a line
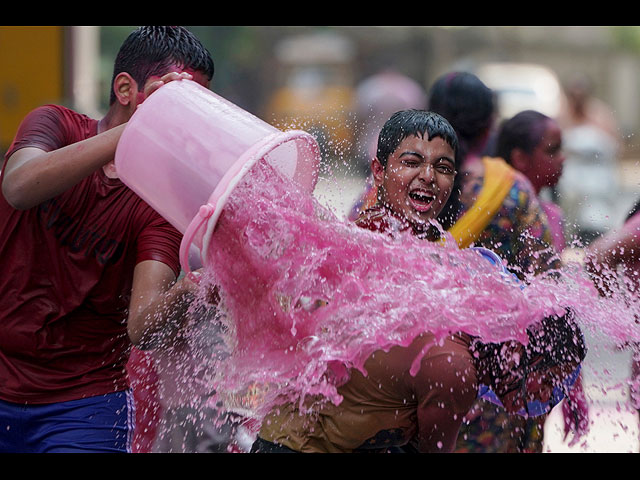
[158, 322]
[617, 246]
[33, 176]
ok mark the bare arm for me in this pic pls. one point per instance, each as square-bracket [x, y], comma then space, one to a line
[158, 304]
[620, 246]
[445, 387]
[32, 175]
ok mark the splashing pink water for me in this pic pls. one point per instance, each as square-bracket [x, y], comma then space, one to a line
[309, 296]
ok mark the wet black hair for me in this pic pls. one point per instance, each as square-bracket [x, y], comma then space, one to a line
[410, 122]
[150, 51]
[524, 131]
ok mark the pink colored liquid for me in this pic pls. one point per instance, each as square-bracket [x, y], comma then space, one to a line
[276, 251]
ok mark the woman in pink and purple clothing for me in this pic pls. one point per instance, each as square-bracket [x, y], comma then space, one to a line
[532, 143]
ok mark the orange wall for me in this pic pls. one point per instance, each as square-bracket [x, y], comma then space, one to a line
[31, 73]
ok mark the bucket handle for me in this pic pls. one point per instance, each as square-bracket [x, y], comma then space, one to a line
[257, 151]
[231, 178]
[204, 212]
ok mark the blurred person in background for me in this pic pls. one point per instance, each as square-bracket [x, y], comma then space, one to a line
[517, 227]
[583, 108]
[613, 260]
[532, 143]
[379, 96]
[494, 206]
[592, 142]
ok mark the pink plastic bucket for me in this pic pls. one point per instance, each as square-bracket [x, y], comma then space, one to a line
[185, 148]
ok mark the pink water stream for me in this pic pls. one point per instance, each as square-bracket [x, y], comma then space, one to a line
[307, 296]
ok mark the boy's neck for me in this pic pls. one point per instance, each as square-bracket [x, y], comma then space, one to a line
[425, 231]
[114, 117]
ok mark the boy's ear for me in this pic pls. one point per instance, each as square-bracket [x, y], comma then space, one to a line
[125, 88]
[377, 171]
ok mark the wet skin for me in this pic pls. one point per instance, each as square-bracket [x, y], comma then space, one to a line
[418, 178]
[543, 166]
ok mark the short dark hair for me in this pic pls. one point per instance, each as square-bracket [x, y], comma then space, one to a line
[524, 130]
[416, 122]
[469, 106]
[150, 51]
[466, 102]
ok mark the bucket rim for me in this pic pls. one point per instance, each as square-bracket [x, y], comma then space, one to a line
[210, 212]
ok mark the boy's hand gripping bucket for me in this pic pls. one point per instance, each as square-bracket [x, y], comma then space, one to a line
[185, 149]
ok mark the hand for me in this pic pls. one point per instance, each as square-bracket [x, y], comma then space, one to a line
[169, 77]
[195, 281]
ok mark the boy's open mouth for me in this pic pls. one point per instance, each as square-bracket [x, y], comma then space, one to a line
[421, 200]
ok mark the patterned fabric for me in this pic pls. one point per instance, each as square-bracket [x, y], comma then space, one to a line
[519, 233]
[489, 429]
[497, 184]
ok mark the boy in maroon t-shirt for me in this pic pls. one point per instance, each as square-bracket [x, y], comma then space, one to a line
[83, 258]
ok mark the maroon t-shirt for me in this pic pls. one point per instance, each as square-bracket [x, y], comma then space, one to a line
[66, 275]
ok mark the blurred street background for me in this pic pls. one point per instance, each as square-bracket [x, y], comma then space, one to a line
[341, 83]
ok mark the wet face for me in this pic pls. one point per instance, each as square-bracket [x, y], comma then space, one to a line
[547, 158]
[198, 77]
[418, 178]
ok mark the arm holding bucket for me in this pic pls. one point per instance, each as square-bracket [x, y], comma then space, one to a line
[159, 304]
[33, 175]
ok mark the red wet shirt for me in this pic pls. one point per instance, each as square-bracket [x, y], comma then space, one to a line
[66, 275]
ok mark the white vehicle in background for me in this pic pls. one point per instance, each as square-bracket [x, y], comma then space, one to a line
[588, 188]
[522, 86]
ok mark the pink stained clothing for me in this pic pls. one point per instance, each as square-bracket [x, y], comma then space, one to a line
[144, 383]
[388, 407]
[67, 274]
[556, 224]
[633, 274]
[575, 409]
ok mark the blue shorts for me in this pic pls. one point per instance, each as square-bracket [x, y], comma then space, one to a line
[104, 423]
